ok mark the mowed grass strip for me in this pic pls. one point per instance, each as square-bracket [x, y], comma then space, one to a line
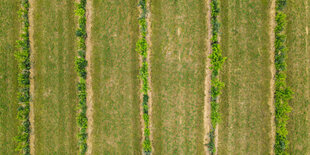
[115, 82]
[298, 75]
[9, 33]
[55, 79]
[245, 127]
[178, 56]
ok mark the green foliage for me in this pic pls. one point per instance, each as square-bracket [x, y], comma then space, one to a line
[217, 61]
[280, 4]
[282, 93]
[211, 144]
[141, 48]
[281, 22]
[80, 66]
[23, 58]
[142, 4]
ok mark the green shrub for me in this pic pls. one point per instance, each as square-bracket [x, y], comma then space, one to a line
[80, 66]
[280, 4]
[211, 144]
[141, 48]
[282, 93]
[23, 58]
[217, 61]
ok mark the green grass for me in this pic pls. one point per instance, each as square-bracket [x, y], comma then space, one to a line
[55, 79]
[9, 33]
[178, 56]
[245, 125]
[298, 76]
[115, 82]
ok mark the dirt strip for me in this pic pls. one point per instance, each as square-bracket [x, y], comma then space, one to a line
[272, 80]
[307, 32]
[148, 39]
[31, 114]
[89, 90]
[207, 106]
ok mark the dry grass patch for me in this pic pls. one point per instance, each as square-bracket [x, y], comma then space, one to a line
[55, 79]
[178, 57]
[298, 75]
[115, 82]
[9, 33]
[244, 107]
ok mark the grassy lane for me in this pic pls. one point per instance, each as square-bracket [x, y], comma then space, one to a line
[9, 33]
[115, 82]
[298, 75]
[55, 78]
[178, 56]
[245, 125]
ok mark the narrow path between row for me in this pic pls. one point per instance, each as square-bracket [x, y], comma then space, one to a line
[89, 101]
[32, 52]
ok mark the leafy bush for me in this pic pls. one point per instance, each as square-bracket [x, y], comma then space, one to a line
[280, 4]
[141, 48]
[211, 144]
[217, 61]
[23, 58]
[282, 93]
[80, 66]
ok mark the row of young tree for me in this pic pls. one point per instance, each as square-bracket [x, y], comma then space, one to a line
[141, 47]
[23, 58]
[217, 61]
[80, 65]
[282, 92]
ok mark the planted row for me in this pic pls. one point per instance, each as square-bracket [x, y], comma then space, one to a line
[141, 47]
[23, 58]
[80, 65]
[217, 61]
[282, 93]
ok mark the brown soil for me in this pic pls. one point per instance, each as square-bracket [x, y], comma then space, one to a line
[31, 114]
[207, 106]
[148, 39]
[272, 80]
[89, 101]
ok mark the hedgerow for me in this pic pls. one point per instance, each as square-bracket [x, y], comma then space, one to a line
[217, 61]
[141, 47]
[80, 65]
[282, 92]
[23, 58]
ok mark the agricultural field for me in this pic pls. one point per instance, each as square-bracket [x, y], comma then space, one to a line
[114, 66]
[154, 77]
[178, 55]
[298, 75]
[245, 127]
[54, 77]
[8, 74]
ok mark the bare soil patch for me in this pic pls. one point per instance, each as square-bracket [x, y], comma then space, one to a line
[272, 80]
[148, 39]
[32, 52]
[89, 101]
[208, 72]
